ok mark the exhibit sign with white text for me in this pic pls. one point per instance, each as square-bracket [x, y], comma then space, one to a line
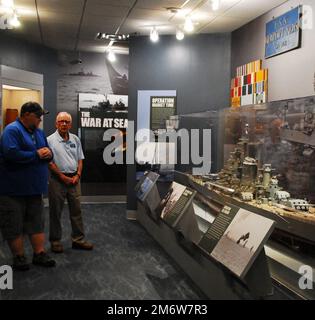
[283, 33]
[162, 108]
[98, 114]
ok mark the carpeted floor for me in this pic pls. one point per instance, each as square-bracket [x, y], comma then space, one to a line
[125, 264]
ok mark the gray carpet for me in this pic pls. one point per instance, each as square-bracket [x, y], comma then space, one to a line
[125, 264]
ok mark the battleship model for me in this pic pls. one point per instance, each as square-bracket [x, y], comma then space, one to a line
[244, 183]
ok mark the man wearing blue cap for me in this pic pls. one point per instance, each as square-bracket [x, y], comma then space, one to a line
[24, 158]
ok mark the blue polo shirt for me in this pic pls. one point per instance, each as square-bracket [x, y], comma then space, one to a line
[67, 153]
[22, 172]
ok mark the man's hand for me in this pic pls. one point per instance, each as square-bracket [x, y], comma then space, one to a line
[44, 153]
[66, 180]
[75, 180]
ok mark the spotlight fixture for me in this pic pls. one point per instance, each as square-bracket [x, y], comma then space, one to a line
[189, 26]
[154, 35]
[11, 17]
[215, 5]
[14, 21]
[111, 56]
[180, 35]
[112, 37]
[173, 10]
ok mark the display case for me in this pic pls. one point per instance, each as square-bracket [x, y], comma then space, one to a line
[265, 155]
[268, 166]
[262, 166]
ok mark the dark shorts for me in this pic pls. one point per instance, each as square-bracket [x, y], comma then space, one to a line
[21, 215]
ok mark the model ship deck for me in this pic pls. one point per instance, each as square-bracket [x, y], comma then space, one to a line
[299, 224]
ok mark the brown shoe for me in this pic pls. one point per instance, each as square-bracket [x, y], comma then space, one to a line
[56, 247]
[82, 245]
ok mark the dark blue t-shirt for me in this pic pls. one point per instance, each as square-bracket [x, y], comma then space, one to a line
[22, 172]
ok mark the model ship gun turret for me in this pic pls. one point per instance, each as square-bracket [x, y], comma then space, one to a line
[242, 178]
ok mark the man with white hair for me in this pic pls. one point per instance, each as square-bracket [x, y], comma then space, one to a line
[64, 183]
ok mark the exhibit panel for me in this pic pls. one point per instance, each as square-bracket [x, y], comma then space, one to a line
[175, 225]
[102, 127]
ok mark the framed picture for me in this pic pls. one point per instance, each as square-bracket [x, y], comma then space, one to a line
[162, 108]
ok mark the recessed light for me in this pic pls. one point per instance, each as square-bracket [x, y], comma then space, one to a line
[154, 35]
[180, 35]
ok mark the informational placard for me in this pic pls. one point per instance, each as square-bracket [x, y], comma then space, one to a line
[162, 108]
[97, 115]
[176, 202]
[145, 184]
[283, 33]
[236, 237]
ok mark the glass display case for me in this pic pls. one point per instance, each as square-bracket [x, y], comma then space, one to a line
[263, 162]
[262, 166]
[268, 165]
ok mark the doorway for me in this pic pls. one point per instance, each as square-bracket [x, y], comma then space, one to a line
[17, 87]
[13, 98]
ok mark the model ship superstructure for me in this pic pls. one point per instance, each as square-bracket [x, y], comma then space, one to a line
[241, 177]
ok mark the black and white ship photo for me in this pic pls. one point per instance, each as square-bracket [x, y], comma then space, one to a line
[241, 241]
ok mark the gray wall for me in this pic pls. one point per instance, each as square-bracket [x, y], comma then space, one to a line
[291, 74]
[198, 68]
[35, 58]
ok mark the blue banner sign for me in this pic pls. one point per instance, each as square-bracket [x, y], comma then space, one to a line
[283, 33]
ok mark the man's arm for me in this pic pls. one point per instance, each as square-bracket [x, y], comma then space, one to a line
[76, 179]
[55, 170]
[12, 150]
[47, 153]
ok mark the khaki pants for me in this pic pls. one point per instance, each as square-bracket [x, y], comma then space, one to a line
[58, 192]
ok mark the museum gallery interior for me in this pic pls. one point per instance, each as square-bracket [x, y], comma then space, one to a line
[197, 120]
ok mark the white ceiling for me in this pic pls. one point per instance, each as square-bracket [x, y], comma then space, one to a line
[56, 23]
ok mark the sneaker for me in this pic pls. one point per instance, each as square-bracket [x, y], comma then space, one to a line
[44, 260]
[20, 263]
[56, 247]
[82, 245]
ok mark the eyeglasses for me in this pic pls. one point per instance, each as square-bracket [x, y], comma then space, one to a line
[64, 121]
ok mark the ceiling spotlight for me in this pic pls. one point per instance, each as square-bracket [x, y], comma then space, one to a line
[99, 35]
[111, 37]
[215, 5]
[14, 21]
[111, 56]
[154, 35]
[173, 10]
[180, 35]
[189, 26]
